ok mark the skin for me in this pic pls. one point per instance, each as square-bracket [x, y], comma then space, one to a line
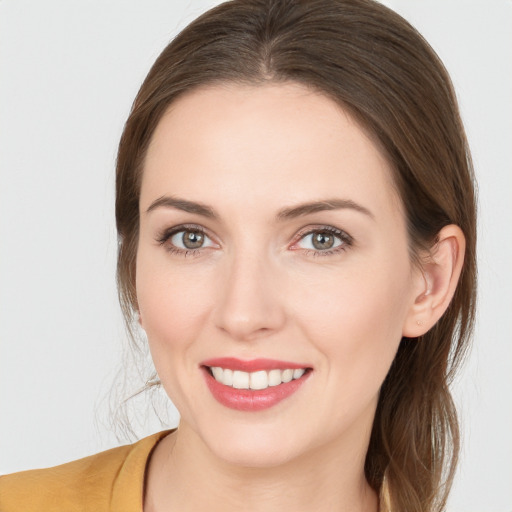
[258, 288]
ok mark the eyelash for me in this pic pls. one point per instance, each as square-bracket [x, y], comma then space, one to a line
[169, 233]
[346, 239]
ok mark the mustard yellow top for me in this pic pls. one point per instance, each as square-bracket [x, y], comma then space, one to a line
[110, 481]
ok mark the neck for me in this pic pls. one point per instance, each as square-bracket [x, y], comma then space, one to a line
[184, 475]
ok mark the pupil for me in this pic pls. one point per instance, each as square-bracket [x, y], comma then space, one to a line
[192, 239]
[323, 241]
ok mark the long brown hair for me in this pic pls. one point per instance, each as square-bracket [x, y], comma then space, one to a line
[378, 67]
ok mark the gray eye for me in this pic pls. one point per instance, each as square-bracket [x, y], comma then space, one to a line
[190, 239]
[320, 241]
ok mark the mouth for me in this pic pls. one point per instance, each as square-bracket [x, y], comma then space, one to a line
[258, 380]
[253, 385]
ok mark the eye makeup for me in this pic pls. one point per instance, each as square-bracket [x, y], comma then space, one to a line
[335, 240]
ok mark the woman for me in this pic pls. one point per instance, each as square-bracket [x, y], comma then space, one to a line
[295, 208]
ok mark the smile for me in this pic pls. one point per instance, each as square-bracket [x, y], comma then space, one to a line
[255, 380]
[253, 385]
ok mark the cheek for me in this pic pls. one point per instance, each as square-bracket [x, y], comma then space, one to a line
[355, 321]
[173, 306]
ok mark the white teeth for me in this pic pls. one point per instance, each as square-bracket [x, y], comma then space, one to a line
[255, 380]
[298, 373]
[287, 375]
[274, 377]
[217, 373]
[227, 377]
[259, 380]
[240, 380]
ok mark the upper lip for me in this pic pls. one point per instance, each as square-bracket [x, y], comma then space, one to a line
[252, 365]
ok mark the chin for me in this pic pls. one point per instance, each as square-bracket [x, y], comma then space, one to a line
[253, 446]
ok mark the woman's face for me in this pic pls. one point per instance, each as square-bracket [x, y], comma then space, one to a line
[271, 239]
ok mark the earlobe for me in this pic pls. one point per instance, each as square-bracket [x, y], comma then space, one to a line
[437, 282]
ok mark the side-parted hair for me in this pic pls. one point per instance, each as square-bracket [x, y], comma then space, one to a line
[376, 66]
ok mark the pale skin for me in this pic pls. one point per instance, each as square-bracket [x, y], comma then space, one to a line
[256, 287]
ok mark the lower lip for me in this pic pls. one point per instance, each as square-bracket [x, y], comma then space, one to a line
[252, 399]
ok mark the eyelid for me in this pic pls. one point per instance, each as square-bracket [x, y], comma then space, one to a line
[345, 238]
[166, 234]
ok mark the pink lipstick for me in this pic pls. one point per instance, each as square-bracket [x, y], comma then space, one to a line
[253, 385]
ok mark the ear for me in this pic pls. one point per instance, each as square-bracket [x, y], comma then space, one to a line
[436, 282]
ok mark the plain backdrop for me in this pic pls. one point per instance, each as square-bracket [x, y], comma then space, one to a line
[68, 74]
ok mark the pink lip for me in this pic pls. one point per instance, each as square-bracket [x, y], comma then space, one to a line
[253, 365]
[251, 400]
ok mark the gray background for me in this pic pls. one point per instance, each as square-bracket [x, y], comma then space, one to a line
[68, 74]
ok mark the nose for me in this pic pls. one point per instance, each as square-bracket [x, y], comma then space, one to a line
[249, 304]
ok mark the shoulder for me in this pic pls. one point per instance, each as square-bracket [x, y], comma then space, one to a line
[86, 484]
[64, 487]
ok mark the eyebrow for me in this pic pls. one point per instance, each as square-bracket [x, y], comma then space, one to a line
[319, 206]
[285, 214]
[183, 205]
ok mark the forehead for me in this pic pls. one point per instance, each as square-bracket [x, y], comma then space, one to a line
[272, 144]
